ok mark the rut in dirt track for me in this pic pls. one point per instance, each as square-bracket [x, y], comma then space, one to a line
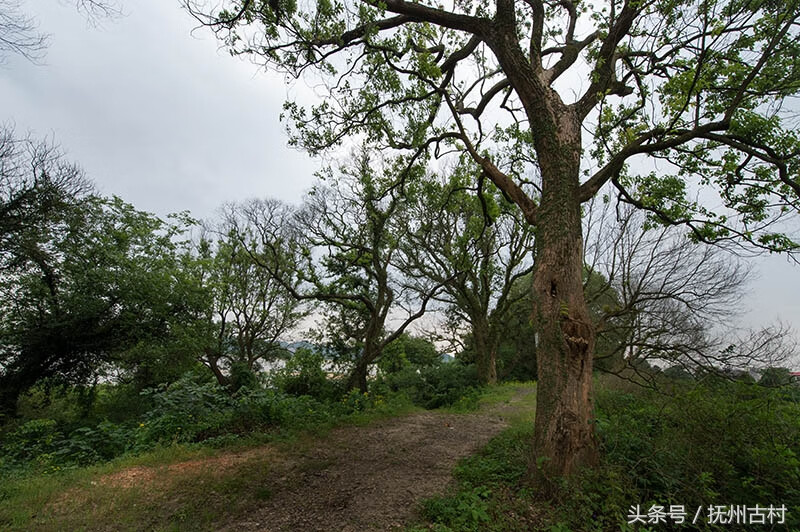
[372, 478]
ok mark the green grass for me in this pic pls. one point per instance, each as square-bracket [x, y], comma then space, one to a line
[79, 499]
[728, 444]
[495, 395]
[85, 499]
[505, 392]
[486, 495]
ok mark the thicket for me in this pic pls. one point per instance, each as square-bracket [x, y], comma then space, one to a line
[64, 431]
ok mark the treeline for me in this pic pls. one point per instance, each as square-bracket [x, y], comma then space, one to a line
[95, 291]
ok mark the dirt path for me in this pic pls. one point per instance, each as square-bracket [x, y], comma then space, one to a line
[368, 478]
[372, 478]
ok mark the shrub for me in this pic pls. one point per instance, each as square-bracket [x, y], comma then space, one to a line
[183, 411]
[467, 510]
[34, 441]
[437, 386]
[355, 401]
[731, 444]
[303, 375]
[41, 444]
[406, 351]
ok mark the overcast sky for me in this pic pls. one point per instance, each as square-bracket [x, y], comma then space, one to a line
[169, 122]
[154, 114]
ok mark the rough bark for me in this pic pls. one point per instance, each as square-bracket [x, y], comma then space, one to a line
[564, 437]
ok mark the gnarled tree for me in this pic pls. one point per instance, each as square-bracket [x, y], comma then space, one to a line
[678, 96]
[246, 312]
[476, 246]
[663, 300]
[347, 236]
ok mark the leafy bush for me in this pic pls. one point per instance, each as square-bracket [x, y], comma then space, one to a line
[437, 386]
[732, 444]
[42, 445]
[88, 445]
[183, 411]
[75, 406]
[467, 510]
[303, 375]
[189, 410]
[35, 440]
[406, 351]
[355, 401]
[192, 411]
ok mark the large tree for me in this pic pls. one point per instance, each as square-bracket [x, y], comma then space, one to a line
[475, 246]
[347, 231]
[86, 283]
[95, 292]
[660, 299]
[683, 99]
[245, 311]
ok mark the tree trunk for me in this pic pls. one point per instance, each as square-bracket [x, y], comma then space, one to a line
[358, 378]
[212, 363]
[564, 437]
[485, 351]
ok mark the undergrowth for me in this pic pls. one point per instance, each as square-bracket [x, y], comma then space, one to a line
[723, 445]
[42, 459]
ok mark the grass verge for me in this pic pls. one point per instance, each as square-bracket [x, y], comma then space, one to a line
[174, 487]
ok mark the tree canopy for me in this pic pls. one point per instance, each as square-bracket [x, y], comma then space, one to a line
[698, 86]
[85, 281]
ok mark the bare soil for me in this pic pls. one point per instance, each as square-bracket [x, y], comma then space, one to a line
[372, 478]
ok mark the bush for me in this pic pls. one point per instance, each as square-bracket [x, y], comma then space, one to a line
[406, 351]
[183, 411]
[42, 445]
[467, 510]
[34, 441]
[191, 410]
[437, 386]
[75, 406]
[732, 444]
[303, 375]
